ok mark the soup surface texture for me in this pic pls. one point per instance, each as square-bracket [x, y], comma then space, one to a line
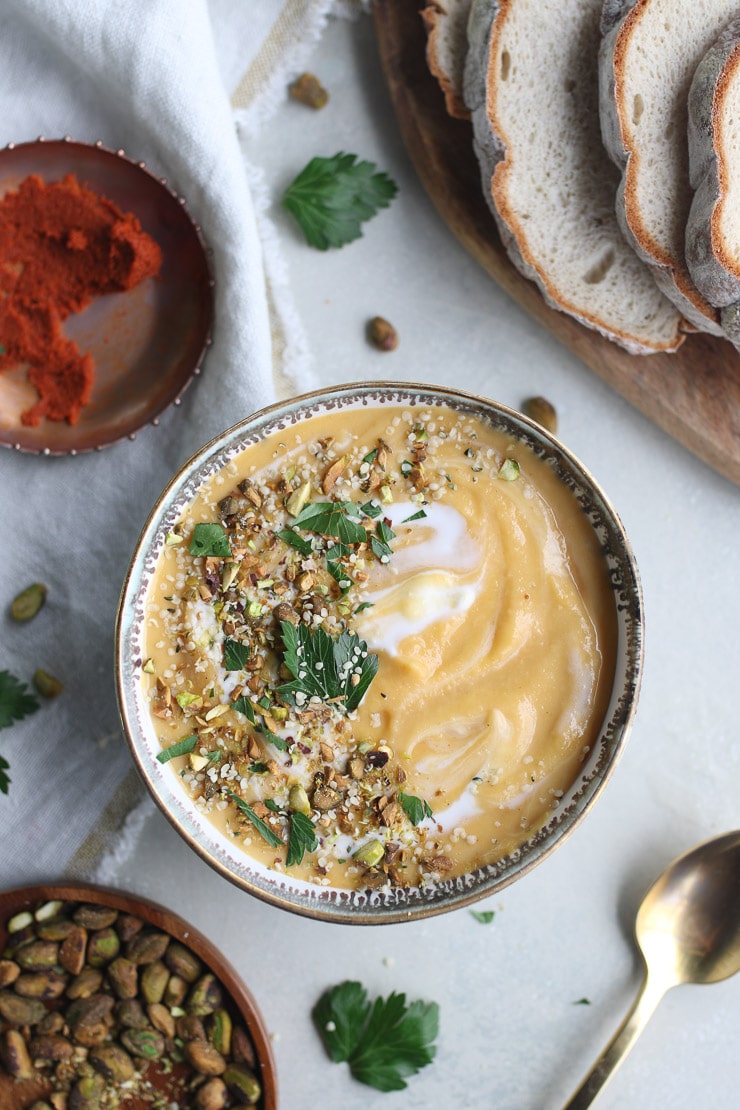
[380, 644]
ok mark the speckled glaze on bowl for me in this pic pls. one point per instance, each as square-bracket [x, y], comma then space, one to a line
[378, 906]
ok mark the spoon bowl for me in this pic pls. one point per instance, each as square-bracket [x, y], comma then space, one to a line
[688, 931]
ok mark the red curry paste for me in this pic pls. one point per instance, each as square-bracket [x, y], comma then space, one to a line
[61, 245]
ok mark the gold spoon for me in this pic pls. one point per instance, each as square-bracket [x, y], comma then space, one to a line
[688, 931]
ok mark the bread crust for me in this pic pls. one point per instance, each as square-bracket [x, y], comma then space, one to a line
[493, 148]
[620, 20]
[714, 268]
[436, 18]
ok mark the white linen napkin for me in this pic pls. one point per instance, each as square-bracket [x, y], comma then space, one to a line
[155, 78]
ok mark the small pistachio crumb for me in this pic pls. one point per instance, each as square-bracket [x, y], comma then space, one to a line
[509, 470]
[46, 684]
[541, 410]
[382, 334]
[308, 90]
[28, 602]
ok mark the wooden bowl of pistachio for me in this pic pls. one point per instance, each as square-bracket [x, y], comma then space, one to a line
[107, 1000]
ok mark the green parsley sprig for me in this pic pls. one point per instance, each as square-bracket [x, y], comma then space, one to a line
[332, 197]
[326, 667]
[16, 702]
[383, 1042]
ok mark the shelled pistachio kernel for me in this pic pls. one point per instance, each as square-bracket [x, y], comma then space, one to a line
[382, 334]
[308, 90]
[26, 605]
[46, 684]
[541, 410]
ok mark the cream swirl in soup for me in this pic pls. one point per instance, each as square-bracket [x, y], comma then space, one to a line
[381, 643]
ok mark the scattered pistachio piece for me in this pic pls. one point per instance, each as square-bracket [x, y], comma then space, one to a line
[540, 409]
[382, 334]
[298, 499]
[509, 470]
[308, 90]
[298, 800]
[371, 853]
[46, 684]
[28, 602]
[148, 667]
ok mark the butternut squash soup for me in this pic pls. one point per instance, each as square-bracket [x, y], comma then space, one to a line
[379, 645]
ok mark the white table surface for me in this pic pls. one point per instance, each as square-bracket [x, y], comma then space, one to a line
[512, 1036]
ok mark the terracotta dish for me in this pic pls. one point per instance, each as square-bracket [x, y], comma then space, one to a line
[146, 343]
[17, 1095]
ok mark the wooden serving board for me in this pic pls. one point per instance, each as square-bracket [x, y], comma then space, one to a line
[694, 394]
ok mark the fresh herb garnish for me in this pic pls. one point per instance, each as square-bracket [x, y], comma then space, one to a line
[380, 542]
[483, 917]
[258, 768]
[332, 197]
[294, 540]
[15, 700]
[4, 778]
[383, 1042]
[371, 456]
[244, 705]
[332, 518]
[416, 809]
[209, 539]
[235, 655]
[414, 516]
[182, 747]
[364, 605]
[330, 668]
[263, 829]
[340, 576]
[371, 509]
[301, 839]
[582, 1002]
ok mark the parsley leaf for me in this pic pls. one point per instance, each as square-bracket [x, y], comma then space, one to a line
[323, 666]
[383, 1042]
[483, 917]
[416, 809]
[294, 540]
[209, 539]
[262, 828]
[302, 838]
[380, 542]
[182, 747]
[15, 700]
[331, 198]
[235, 655]
[4, 779]
[332, 518]
[244, 705]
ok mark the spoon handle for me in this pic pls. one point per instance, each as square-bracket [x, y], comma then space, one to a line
[618, 1047]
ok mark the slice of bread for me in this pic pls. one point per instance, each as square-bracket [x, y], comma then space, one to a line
[713, 228]
[648, 56]
[446, 22]
[531, 85]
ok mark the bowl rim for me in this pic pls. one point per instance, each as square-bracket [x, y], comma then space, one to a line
[619, 716]
[16, 899]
